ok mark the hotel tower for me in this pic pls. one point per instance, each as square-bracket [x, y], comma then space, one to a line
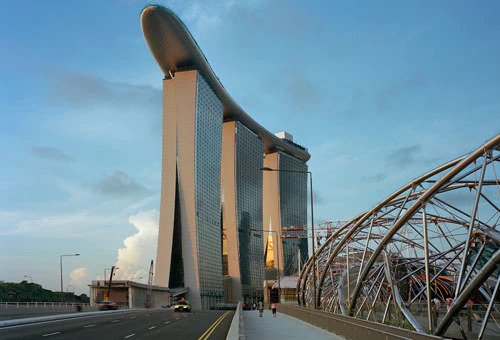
[220, 214]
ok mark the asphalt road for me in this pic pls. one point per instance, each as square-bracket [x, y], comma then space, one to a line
[143, 324]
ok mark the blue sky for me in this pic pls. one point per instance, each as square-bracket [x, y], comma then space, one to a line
[379, 91]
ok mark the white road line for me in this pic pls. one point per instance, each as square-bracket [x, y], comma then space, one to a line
[132, 317]
[51, 334]
[89, 326]
[115, 321]
[177, 318]
[130, 335]
[152, 327]
[167, 322]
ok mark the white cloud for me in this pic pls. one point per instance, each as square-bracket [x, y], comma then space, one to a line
[133, 259]
[79, 278]
[66, 225]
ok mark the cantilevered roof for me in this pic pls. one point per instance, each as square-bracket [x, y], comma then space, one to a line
[175, 49]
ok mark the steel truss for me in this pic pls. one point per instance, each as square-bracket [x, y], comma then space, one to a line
[435, 238]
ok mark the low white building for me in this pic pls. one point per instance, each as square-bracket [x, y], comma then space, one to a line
[129, 294]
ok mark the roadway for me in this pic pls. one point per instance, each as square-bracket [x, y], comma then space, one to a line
[136, 324]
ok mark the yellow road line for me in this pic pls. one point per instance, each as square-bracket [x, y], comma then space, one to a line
[212, 327]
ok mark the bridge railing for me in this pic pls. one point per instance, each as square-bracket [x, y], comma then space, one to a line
[36, 304]
[350, 327]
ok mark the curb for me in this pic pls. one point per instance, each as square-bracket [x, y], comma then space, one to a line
[237, 328]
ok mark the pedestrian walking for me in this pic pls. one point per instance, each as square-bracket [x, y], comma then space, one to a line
[437, 305]
[449, 302]
[261, 308]
[273, 308]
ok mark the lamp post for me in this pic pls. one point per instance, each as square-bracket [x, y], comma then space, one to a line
[312, 224]
[60, 262]
[277, 258]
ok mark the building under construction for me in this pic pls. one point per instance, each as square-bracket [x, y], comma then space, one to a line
[130, 294]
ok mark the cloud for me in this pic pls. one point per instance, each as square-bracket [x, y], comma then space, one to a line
[374, 179]
[203, 16]
[120, 184]
[385, 97]
[404, 156]
[134, 258]
[354, 107]
[407, 156]
[301, 92]
[79, 278]
[65, 225]
[45, 152]
[296, 89]
[74, 224]
[277, 18]
[208, 14]
[85, 91]
[89, 108]
[318, 198]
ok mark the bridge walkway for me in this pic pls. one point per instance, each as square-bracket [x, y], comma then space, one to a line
[281, 327]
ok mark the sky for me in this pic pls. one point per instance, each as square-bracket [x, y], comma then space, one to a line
[378, 91]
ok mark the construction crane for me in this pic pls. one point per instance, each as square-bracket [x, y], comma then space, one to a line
[150, 284]
[106, 296]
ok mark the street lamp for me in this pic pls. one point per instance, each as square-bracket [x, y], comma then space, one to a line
[60, 262]
[312, 224]
[277, 258]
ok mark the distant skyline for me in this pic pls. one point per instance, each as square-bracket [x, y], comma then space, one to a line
[379, 92]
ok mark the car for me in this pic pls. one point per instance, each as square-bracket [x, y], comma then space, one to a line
[107, 305]
[182, 306]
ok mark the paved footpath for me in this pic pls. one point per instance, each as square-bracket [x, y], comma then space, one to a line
[281, 327]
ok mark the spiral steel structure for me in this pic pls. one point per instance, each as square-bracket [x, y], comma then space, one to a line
[435, 238]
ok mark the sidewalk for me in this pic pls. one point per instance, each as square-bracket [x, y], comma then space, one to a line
[281, 327]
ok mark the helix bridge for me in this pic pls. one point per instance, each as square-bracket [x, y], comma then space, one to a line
[420, 257]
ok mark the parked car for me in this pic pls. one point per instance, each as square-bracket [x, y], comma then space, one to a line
[107, 305]
[182, 306]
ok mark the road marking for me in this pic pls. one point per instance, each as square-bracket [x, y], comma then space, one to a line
[152, 327]
[167, 322]
[212, 327]
[132, 317]
[51, 334]
[130, 335]
[115, 321]
[177, 318]
[89, 326]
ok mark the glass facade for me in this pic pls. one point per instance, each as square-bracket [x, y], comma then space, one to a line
[293, 206]
[248, 164]
[208, 144]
